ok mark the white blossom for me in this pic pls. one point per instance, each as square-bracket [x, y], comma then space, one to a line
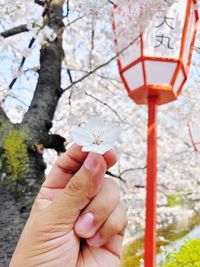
[35, 25]
[98, 136]
[46, 35]
[4, 92]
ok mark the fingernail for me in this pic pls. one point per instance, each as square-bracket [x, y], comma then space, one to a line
[90, 163]
[94, 241]
[85, 223]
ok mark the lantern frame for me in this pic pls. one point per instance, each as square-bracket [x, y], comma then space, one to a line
[164, 93]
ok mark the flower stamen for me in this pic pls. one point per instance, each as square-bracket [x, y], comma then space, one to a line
[97, 139]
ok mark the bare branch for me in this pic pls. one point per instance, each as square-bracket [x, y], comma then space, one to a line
[120, 176]
[73, 21]
[56, 142]
[133, 169]
[194, 144]
[40, 2]
[102, 76]
[21, 64]
[115, 176]
[88, 74]
[68, 9]
[92, 41]
[70, 76]
[15, 30]
[19, 100]
[111, 2]
[105, 104]
[70, 99]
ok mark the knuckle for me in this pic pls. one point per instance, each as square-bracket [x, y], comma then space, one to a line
[74, 186]
[78, 187]
[104, 207]
[114, 226]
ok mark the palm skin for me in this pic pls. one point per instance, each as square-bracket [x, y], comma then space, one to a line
[51, 236]
[69, 249]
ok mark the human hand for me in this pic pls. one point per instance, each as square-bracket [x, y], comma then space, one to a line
[77, 219]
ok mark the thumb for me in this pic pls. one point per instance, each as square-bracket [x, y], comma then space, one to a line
[81, 188]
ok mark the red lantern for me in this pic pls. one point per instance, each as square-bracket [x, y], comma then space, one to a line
[154, 69]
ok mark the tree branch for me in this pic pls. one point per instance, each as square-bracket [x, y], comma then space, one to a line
[120, 175]
[21, 64]
[3, 115]
[92, 41]
[56, 142]
[31, 44]
[23, 28]
[88, 74]
[133, 169]
[68, 9]
[111, 2]
[70, 76]
[18, 99]
[105, 104]
[194, 144]
[48, 92]
[40, 2]
[115, 176]
[13, 31]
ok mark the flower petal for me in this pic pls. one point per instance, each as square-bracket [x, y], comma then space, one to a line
[100, 149]
[81, 136]
[111, 133]
[104, 148]
[95, 125]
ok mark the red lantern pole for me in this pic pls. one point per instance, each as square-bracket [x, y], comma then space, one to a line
[140, 66]
[150, 234]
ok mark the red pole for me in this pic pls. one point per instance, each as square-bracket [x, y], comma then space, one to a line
[150, 233]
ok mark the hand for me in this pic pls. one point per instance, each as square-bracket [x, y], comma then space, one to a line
[77, 219]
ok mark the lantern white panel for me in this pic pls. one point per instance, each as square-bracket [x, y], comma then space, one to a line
[159, 73]
[132, 53]
[189, 36]
[134, 76]
[180, 78]
[162, 38]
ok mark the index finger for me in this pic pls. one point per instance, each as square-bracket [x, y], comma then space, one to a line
[69, 163]
[65, 166]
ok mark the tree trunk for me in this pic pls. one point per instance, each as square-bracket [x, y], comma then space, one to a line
[21, 145]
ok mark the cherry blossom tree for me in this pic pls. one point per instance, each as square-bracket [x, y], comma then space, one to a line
[58, 68]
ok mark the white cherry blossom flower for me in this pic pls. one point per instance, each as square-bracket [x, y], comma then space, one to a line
[98, 136]
[46, 35]
[4, 92]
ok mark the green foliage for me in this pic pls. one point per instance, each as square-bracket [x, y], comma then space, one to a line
[175, 200]
[187, 256]
[16, 154]
[131, 257]
[57, 2]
